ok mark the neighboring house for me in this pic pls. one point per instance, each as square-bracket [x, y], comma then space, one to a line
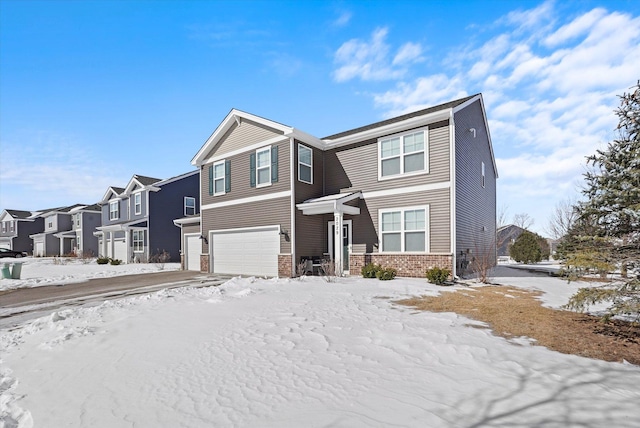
[137, 221]
[505, 236]
[59, 236]
[16, 228]
[411, 192]
[81, 239]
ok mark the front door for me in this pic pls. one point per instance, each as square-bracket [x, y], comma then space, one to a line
[346, 242]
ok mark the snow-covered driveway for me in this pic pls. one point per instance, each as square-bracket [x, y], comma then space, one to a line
[290, 353]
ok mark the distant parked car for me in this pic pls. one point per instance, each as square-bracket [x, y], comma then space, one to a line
[10, 253]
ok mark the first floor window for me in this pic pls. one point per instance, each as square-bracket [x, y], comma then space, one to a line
[138, 241]
[189, 205]
[404, 229]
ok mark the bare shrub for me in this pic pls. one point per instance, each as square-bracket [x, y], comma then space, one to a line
[301, 269]
[482, 263]
[160, 259]
[328, 270]
[87, 257]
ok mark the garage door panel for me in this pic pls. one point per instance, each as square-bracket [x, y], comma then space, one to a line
[250, 252]
[120, 250]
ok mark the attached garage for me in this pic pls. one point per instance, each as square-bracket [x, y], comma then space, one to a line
[39, 249]
[5, 244]
[192, 250]
[246, 252]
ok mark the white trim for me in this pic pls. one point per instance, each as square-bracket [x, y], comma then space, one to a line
[248, 200]
[484, 177]
[299, 163]
[188, 220]
[245, 229]
[403, 231]
[260, 150]
[195, 209]
[405, 190]
[292, 184]
[133, 241]
[330, 241]
[224, 179]
[135, 209]
[401, 156]
[452, 193]
[253, 147]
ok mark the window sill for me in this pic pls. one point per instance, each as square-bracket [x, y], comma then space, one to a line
[405, 175]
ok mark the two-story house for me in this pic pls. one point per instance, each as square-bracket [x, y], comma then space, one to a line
[411, 192]
[16, 228]
[81, 239]
[58, 236]
[137, 220]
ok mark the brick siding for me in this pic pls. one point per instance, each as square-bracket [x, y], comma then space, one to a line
[284, 265]
[407, 265]
[204, 263]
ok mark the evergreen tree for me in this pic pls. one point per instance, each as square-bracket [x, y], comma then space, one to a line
[529, 248]
[606, 235]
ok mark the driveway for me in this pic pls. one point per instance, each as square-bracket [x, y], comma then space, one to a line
[20, 304]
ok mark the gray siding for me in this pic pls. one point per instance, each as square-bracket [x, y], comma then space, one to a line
[261, 213]
[475, 205]
[365, 225]
[240, 185]
[238, 137]
[356, 166]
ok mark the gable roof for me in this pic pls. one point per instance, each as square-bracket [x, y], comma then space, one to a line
[418, 113]
[18, 214]
[237, 116]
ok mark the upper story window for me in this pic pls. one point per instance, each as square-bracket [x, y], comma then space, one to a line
[114, 210]
[483, 176]
[404, 229]
[220, 178]
[137, 202]
[4, 226]
[50, 222]
[77, 219]
[305, 164]
[189, 206]
[12, 226]
[403, 154]
[263, 166]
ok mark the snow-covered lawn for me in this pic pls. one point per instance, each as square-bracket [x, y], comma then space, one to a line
[299, 353]
[37, 272]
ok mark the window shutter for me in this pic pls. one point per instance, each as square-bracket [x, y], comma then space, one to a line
[274, 164]
[252, 169]
[210, 179]
[227, 176]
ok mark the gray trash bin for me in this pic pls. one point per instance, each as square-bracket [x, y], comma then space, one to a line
[15, 271]
[5, 271]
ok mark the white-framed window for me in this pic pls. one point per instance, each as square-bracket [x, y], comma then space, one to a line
[137, 203]
[483, 176]
[77, 216]
[138, 241]
[305, 164]
[114, 210]
[50, 222]
[219, 178]
[263, 167]
[12, 226]
[403, 154]
[404, 229]
[4, 226]
[189, 205]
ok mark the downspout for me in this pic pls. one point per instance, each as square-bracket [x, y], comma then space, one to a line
[452, 192]
[292, 174]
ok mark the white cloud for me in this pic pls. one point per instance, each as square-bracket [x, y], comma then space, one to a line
[62, 171]
[371, 60]
[550, 86]
[343, 19]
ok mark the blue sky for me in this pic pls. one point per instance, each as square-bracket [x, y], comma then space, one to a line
[93, 92]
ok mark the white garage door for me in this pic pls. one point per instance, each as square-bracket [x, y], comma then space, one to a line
[39, 251]
[5, 245]
[120, 251]
[248, 252]
[192, 252]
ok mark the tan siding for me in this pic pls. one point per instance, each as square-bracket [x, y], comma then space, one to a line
[191, 228]
[261, 213]
[246, 134]
[240, 184]
[365, 226]
[356, 166]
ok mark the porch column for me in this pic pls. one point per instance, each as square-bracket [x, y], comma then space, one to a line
[337, 242]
